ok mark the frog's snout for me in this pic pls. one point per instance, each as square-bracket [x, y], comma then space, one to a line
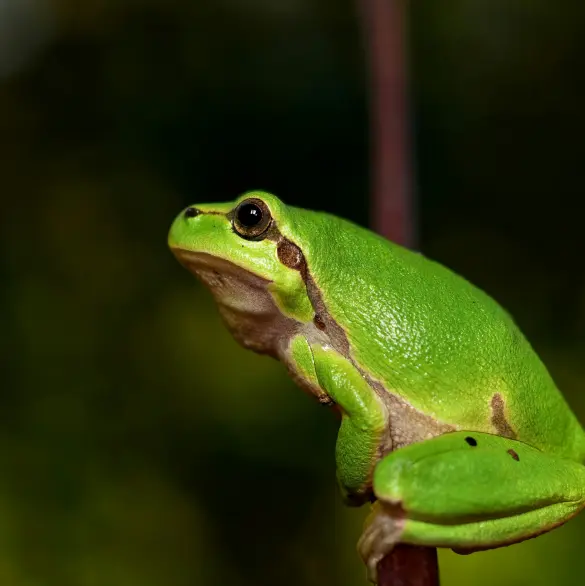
[182, 229]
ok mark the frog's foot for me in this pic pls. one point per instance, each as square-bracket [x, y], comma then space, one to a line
[468, 491]
[382, 532]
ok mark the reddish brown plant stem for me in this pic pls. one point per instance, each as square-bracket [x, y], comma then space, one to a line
[392, 209]
[409, 565]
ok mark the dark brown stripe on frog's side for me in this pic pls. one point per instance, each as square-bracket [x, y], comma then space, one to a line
[291, 256]
[499, 420]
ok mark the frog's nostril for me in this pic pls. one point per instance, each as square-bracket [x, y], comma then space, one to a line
[191, 212]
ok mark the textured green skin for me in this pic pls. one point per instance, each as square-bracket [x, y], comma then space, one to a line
[430, 336]
[441, 345]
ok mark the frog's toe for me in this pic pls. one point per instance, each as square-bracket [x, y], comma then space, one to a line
[382, 532]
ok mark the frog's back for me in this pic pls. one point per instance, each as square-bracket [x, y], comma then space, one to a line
[433, 338]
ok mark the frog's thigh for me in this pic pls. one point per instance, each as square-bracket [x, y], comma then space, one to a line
[469, 491]
[363, 424]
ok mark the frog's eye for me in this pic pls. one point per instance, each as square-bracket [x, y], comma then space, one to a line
[251, 218]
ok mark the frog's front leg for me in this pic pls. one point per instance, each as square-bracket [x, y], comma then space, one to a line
[363, 426]
[468, 491]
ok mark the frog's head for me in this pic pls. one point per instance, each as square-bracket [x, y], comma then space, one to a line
[256, 274]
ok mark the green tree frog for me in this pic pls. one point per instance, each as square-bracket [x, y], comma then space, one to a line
[450, 423]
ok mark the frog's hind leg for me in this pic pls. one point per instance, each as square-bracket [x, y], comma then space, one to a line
[468, 491]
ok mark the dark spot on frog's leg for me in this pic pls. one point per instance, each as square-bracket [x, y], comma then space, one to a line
[499, 420]
[514, 455]
[471, 441]
[319, 323]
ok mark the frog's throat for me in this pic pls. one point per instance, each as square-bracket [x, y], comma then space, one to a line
[244, 301]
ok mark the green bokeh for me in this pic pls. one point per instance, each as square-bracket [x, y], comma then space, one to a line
[139, 445]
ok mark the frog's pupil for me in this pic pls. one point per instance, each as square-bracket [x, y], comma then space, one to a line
[249, 215]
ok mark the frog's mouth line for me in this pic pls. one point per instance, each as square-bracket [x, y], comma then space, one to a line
[205, 266]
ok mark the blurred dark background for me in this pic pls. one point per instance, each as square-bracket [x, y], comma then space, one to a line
[139, 445]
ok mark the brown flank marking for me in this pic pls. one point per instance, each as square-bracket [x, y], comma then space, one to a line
[499, 420]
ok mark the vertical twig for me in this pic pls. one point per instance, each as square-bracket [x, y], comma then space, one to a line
[393, 203]
[409, 565]
[392, 211]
